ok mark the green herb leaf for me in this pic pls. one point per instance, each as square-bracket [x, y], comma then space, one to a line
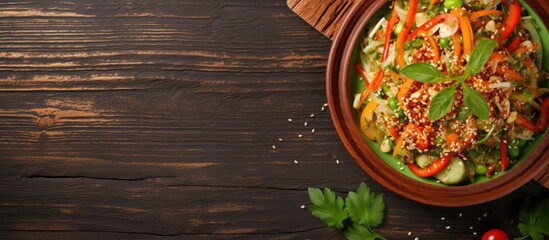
[476, 102]
[327, 207]
[365, 207]
[423, 72]
[360, 232]
[534, 219]
[480, 55]
[441, 103]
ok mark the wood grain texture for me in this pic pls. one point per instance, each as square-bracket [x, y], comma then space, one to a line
[326, 16]
[156, 119]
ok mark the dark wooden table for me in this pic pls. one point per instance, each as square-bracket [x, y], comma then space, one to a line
[159, 120]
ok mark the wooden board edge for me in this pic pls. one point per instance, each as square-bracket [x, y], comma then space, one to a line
[326, 16]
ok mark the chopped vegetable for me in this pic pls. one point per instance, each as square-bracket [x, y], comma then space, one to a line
[512, 19]
[432, 169]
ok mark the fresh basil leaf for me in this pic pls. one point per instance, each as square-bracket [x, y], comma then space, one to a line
[480, 55]
[441, 103]
[365, 207]
[476, 102]
[327, 207]
[422, 72]
[360, 232]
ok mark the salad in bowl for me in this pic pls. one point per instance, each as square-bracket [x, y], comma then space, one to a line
[452, 89]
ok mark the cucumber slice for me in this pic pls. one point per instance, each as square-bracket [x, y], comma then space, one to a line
[454, 173]
[424, 160]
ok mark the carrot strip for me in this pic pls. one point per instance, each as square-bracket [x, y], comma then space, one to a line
[478, 14]
[509, 73]
[398, 146]
[433, 43]
[466, 31]
[452, 137]
[457, 45]
[520, 50]
[497, 57]
[404, 89]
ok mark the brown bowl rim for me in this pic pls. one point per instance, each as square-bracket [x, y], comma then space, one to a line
[374, 166]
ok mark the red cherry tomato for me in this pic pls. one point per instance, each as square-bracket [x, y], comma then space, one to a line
[495, 234]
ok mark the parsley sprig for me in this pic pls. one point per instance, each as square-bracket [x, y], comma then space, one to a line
[442, 102]
[534, 219]
[363, 208]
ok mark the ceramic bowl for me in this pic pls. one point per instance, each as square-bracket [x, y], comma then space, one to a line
[383, 168]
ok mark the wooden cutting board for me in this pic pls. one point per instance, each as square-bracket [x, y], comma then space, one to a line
[326, 16]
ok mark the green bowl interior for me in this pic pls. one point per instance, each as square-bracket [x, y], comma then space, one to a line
[354, 86]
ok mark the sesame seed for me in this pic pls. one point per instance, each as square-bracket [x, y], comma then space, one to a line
[442, 218]
[323, 108]
[296, 162]
[447, 227]
[312, 115]
[274, 147]
[290, 120]
[485, 214]
[471, 227]
[417, 238]
[475, 233]
[300, 135]
[460, 214]
[313, 130]
[302, 206]
[409, 233]
[280, 139]
[337, 161]
[325, 104]
[305, 124]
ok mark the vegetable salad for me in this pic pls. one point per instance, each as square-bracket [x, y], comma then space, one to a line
[453, 88]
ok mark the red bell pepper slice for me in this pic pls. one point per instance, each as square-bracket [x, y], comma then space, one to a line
[360, 70]
[514, 44]
[432, 169]
[541, 124]
[512, 20]
[430, 24]
[503, 155]
[524, 122]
